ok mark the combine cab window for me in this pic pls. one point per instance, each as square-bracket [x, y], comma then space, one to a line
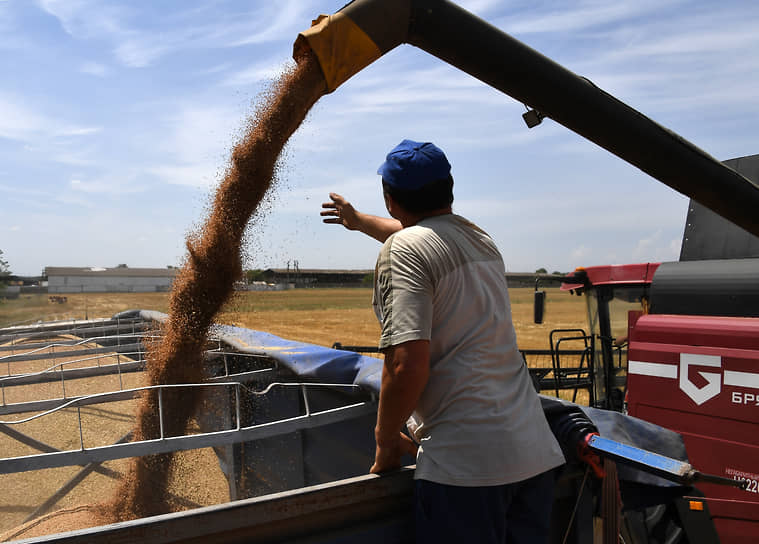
[608, 309]
[625, 299]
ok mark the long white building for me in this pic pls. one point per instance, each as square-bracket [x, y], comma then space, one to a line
[121, 279]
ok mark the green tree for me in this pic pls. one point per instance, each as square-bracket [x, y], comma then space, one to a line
[541, 271]
[5, 271]
[254, 275]
[4, 268]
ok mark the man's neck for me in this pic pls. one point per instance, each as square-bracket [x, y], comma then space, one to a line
[411, 219]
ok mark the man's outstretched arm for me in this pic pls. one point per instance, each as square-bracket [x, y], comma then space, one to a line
[340, 212]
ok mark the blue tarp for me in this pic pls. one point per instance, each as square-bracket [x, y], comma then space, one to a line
[310, 361]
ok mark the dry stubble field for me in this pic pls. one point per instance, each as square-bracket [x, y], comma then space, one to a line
[317, 316]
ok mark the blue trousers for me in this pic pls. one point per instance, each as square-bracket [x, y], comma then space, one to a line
[512, 513]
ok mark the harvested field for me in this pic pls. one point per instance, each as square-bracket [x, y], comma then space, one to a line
[32, 308]
[317, 316]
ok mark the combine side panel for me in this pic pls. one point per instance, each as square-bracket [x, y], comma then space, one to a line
[700, 377]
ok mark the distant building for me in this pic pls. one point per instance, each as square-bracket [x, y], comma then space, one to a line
[315, 277]
[121, 279]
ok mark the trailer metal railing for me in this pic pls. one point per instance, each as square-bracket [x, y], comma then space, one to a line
[164, 444]
[552, 370]
[39, 348]
[82, 329]
[131, 365]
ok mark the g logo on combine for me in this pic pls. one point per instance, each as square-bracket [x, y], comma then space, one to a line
[713, 379]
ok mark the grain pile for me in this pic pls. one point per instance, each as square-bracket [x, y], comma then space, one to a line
[206, 281]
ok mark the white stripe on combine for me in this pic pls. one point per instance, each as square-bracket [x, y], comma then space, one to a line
[741, 379]
[659, 370]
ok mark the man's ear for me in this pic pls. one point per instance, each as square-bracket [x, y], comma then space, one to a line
[390, 204]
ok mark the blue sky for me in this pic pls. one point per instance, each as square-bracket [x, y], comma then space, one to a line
[116, 121]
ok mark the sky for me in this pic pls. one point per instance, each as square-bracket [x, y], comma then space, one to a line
[117, 119]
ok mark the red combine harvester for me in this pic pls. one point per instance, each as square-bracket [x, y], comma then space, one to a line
[677, 344]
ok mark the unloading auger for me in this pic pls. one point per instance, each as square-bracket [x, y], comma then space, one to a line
[364, 30]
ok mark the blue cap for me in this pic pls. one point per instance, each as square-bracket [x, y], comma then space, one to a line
[412, 165]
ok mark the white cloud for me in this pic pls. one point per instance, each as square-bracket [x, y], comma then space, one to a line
[198, 28]
[579, 16]
[221, 67]
[580, 253]
[109, 185]
[23, 122]
[17, 122]
[70, 157]
[196, 174]
[694, 39]
[70, 199]
[682, 65]
[440, 87]
[141, 51]
[198, 140]
[654, 248]
[78, 131]
[94, 69]
[86, 18]
[478, 7]
[22, 189]
[261, 71]
[275, 23]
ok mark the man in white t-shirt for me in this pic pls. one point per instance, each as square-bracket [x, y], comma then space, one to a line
[452, 372]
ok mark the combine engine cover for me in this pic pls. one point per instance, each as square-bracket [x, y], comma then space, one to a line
[699, 375]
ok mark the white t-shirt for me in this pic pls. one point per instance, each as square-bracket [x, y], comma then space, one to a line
[479, 421]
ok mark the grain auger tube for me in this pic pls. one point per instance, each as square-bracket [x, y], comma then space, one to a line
[361, 32]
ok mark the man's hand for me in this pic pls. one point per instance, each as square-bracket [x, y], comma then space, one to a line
[404, 377]
[388, 456]
[340, 212]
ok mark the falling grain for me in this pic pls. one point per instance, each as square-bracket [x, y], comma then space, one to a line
[206, 281]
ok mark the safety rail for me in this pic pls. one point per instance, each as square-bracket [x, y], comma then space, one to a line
[544, 375]
[57, 371]
[107, 340]
[210, 355]
[40, 355]
[37, 325]
[18, 324]
[132, 364]
[581, 375]
[164, 444]
[552, 370]
[76, 328]
[48, 352]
